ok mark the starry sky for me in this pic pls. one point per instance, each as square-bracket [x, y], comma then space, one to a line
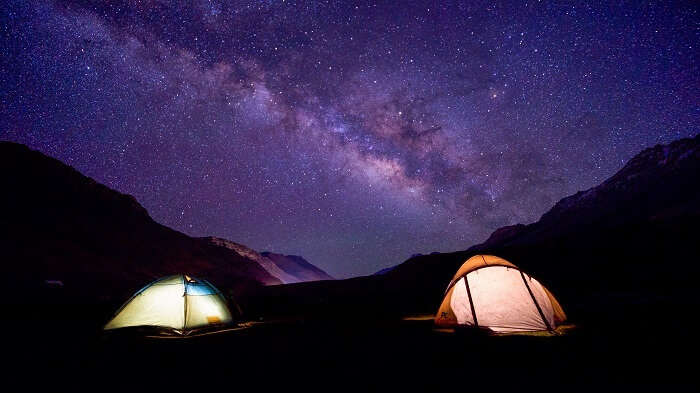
[353, 133]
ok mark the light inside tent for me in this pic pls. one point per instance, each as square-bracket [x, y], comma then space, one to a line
[175, 302]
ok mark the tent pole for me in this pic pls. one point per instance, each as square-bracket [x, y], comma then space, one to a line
[471, 303]
[184, 295]
[549, 328]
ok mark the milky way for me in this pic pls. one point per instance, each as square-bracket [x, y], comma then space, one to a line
[354, 134]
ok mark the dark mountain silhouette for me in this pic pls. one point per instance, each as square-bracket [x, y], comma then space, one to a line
[60, 229]
[384, 271]
[297, 266]
[633, 237]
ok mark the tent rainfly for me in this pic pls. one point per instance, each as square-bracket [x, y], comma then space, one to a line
[177, 303]
[490, 292]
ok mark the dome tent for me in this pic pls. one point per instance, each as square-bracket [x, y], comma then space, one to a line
[490, 292]
[176, 304]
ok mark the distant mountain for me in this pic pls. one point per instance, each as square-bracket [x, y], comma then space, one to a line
[287, 268]
[383, 271]
[634, 235]
[58, 226]
[297, 267]
[390, 268]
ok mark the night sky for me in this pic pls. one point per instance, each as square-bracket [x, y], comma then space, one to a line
[354, 134]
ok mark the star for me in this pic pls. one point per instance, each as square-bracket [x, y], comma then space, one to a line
[355, 136]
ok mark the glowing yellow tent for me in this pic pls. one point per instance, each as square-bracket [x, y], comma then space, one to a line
[179, 304]
[492, 293]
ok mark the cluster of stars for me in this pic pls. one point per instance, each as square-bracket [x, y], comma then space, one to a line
[353, 134]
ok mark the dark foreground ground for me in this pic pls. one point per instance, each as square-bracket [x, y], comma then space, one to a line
[646, 346]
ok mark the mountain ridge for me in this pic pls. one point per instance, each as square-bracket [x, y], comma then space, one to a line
[287, 268]
[630, 196]
[297, 266]
[101, 244]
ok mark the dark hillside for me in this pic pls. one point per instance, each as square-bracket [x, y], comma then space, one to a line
[59, 225]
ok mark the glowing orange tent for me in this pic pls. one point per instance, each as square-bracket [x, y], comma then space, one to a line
[490, 292]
